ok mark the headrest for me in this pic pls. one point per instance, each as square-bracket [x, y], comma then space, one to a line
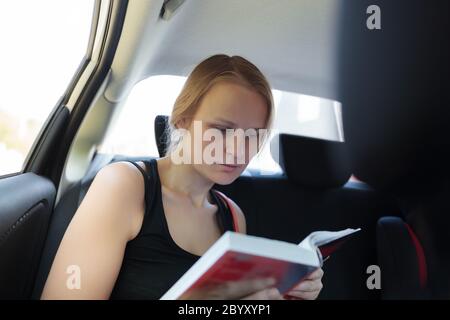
[311, 162]
[402, 259]
[161, 125]
[393, 84]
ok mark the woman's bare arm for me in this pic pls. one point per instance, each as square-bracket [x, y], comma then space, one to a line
[91, 251]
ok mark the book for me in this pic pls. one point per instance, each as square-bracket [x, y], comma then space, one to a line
[237, 257]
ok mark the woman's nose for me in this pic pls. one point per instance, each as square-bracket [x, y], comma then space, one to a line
[235, 149]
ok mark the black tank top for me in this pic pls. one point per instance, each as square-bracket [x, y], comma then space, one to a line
[153, 262]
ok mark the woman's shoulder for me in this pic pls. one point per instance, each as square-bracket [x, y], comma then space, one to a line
[125, 174]
[125, 186]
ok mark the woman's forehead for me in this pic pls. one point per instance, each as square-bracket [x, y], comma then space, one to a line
[228, 102]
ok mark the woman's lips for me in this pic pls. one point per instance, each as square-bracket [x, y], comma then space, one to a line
[229, 167]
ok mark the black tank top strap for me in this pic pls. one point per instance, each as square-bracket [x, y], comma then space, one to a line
[224, 215]
[147, 181]
[139, 168]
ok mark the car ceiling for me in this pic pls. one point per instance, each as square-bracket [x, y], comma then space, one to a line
[292, 41]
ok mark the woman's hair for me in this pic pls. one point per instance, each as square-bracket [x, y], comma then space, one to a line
[210, 71]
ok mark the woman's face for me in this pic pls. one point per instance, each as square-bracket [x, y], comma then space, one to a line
[226, 153]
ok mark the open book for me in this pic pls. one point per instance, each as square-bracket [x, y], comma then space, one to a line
[238, 257]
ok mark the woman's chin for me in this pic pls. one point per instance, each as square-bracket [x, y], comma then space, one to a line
[224, 180]
[225, 175]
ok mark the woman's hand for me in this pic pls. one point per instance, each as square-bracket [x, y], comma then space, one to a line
[268, 293]
[260, 289]
[255, 289]
[308, 289]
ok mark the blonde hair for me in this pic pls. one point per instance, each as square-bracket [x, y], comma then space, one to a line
[210, 71]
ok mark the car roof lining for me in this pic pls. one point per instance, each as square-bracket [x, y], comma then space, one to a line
[292, 42]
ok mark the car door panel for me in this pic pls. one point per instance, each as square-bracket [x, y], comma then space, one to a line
[26, 203]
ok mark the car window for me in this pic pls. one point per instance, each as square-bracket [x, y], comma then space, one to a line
[132, 133]
[43, 43]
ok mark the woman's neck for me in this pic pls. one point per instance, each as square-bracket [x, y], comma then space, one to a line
[184, 181]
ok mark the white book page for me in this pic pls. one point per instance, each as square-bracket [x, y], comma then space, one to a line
[319, 238]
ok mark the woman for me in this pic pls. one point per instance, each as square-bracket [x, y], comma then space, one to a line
[142, 225]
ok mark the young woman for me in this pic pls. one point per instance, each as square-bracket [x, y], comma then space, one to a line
[142, 225]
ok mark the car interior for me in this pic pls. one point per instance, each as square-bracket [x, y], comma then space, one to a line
[390, 175]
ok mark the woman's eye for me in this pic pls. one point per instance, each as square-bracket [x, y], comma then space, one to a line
[222, 130]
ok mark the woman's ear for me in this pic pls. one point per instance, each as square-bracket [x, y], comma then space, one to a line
[183, 123]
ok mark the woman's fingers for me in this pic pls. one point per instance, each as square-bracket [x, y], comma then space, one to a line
[308, 289]
[308, 286]
[303, 295]
[260, 289]
[266, 294]
[230, 289]
[239, 289]
[318, 274]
